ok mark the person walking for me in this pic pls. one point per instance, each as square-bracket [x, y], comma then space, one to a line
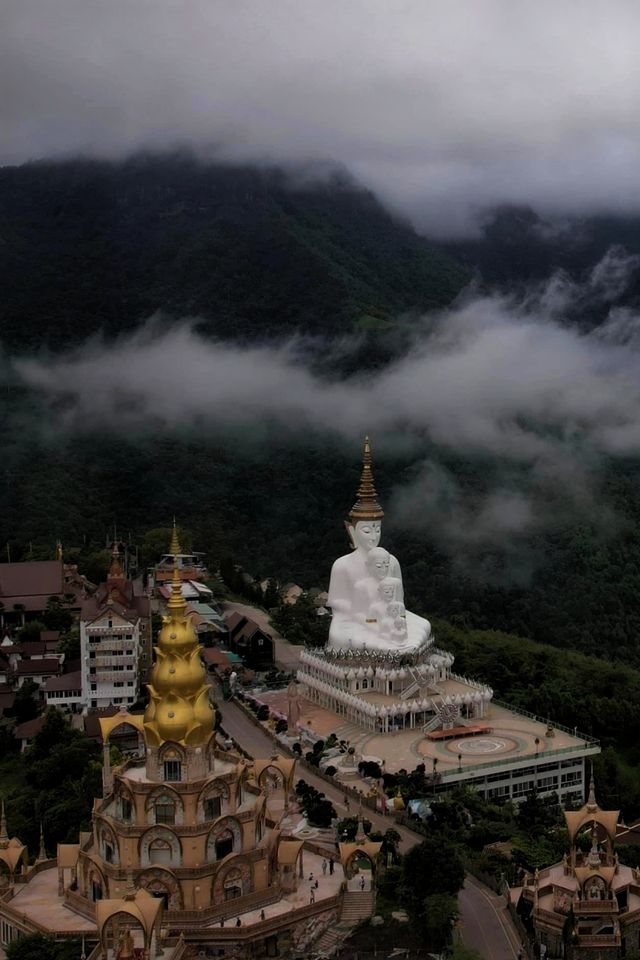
[262, 915]
[331, 865]
[312, 896]
[362, 883]
[324, 868]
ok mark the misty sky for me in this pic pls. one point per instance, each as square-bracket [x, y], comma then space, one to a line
[442, 108]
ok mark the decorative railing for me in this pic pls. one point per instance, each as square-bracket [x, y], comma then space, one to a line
[548, 722]
[527, 760]
[595, 906]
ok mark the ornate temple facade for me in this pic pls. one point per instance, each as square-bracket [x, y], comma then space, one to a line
[588, 906]
[188, 844]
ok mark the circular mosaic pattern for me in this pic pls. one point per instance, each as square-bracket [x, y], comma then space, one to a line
[482, 746]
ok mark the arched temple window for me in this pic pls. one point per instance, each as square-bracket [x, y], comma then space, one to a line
[165, 810]
[160, 845]
[225, 838]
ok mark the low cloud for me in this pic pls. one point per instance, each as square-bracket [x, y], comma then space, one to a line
[491, 378]
[443, 109]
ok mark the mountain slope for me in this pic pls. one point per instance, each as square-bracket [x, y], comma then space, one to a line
[88, 245]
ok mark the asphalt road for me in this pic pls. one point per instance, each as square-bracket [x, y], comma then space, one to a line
[486, 925]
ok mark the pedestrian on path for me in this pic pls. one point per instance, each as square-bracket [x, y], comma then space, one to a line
[262, 915]
[312, 896]
[362, 883]
[238, 922]
[330, 868]
[310, 878]
[324, 868]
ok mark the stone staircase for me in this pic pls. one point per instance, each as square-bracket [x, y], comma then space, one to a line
[356, 906]
[357, 736]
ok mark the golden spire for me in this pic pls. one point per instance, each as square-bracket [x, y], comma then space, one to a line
[177, 603]
[366, 506]
[592, 804]
[174, 547]
[179, 708]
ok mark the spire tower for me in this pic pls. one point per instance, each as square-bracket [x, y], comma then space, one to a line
[179, 709]
[366, 506]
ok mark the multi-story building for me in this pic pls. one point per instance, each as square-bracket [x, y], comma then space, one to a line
[115, 641]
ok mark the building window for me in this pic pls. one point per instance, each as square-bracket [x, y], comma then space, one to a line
[165, 810]
[160, 852]
[172, 771]
[232, 892]
[94, 687]
[92, 654]
[224, 845]
[271, 947]
[125, 808]
[108, 852]
[212, 808]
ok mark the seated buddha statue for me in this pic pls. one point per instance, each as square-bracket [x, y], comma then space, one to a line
[354, 589]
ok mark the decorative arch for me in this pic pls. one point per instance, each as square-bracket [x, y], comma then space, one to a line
[594, 888]
[232, 881]
[172, 757]
[155, 799]
[125, 803]
[96, 887]
[225, 837]
[216, 790]
[159, 845]
[108, 843]
[162, 883]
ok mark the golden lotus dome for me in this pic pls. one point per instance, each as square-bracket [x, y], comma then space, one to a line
[203, 712]
[173, 717]
[180, 674]
[177, 636]
[179, 707]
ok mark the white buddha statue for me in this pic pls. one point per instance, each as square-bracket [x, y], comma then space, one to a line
[364, 582]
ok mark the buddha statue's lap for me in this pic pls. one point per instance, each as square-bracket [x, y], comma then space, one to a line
[364, 582]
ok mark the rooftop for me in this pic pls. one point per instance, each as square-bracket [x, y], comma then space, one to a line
[39, 900]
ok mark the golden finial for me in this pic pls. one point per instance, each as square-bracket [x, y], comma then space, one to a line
[174, 547]
[177, 604]
[366, 506]
[592, 804]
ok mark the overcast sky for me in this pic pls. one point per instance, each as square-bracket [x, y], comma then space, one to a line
[442, 107]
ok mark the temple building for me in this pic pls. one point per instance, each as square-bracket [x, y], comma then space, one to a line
[382, 684]
[191, 846]
[588, 906]
[191, 565]
[115, 640]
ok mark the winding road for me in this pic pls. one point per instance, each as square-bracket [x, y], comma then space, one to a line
[485, 922]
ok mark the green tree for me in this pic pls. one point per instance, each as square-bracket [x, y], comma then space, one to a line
[437, 917]
[38, 946]
[26, 705]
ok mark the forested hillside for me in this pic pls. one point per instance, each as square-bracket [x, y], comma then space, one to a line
[88, 246]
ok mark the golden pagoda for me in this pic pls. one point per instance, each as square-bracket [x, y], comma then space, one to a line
[179, 709]
[366, 506]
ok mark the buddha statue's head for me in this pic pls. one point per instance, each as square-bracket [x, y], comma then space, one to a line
[364, 520]
[387, 588]
[377, 561]
[365, 534]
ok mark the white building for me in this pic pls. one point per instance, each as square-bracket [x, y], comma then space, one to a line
[114, 642]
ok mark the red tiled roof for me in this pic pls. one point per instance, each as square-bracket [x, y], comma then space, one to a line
[28, 729]
[218, 658]
[26, 667]
[42, 578]
[68, 681]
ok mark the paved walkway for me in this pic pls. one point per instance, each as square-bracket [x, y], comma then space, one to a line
[486, 925]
